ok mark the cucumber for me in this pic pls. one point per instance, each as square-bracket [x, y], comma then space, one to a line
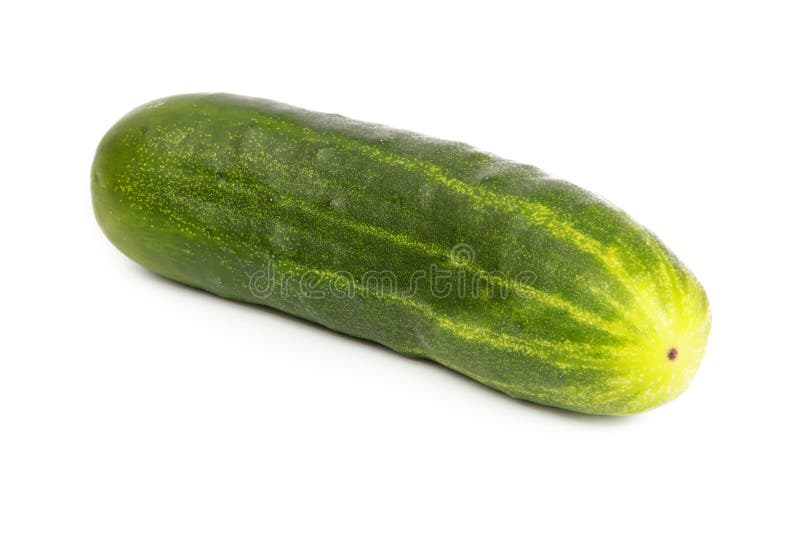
[528, 284]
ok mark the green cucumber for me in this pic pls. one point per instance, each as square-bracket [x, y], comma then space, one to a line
[528, 284]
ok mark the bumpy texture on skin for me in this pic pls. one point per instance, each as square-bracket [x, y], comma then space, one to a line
[527, 284]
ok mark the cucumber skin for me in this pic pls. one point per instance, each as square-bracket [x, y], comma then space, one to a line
[234, 195]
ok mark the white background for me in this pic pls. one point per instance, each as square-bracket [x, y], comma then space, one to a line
[134, 408]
